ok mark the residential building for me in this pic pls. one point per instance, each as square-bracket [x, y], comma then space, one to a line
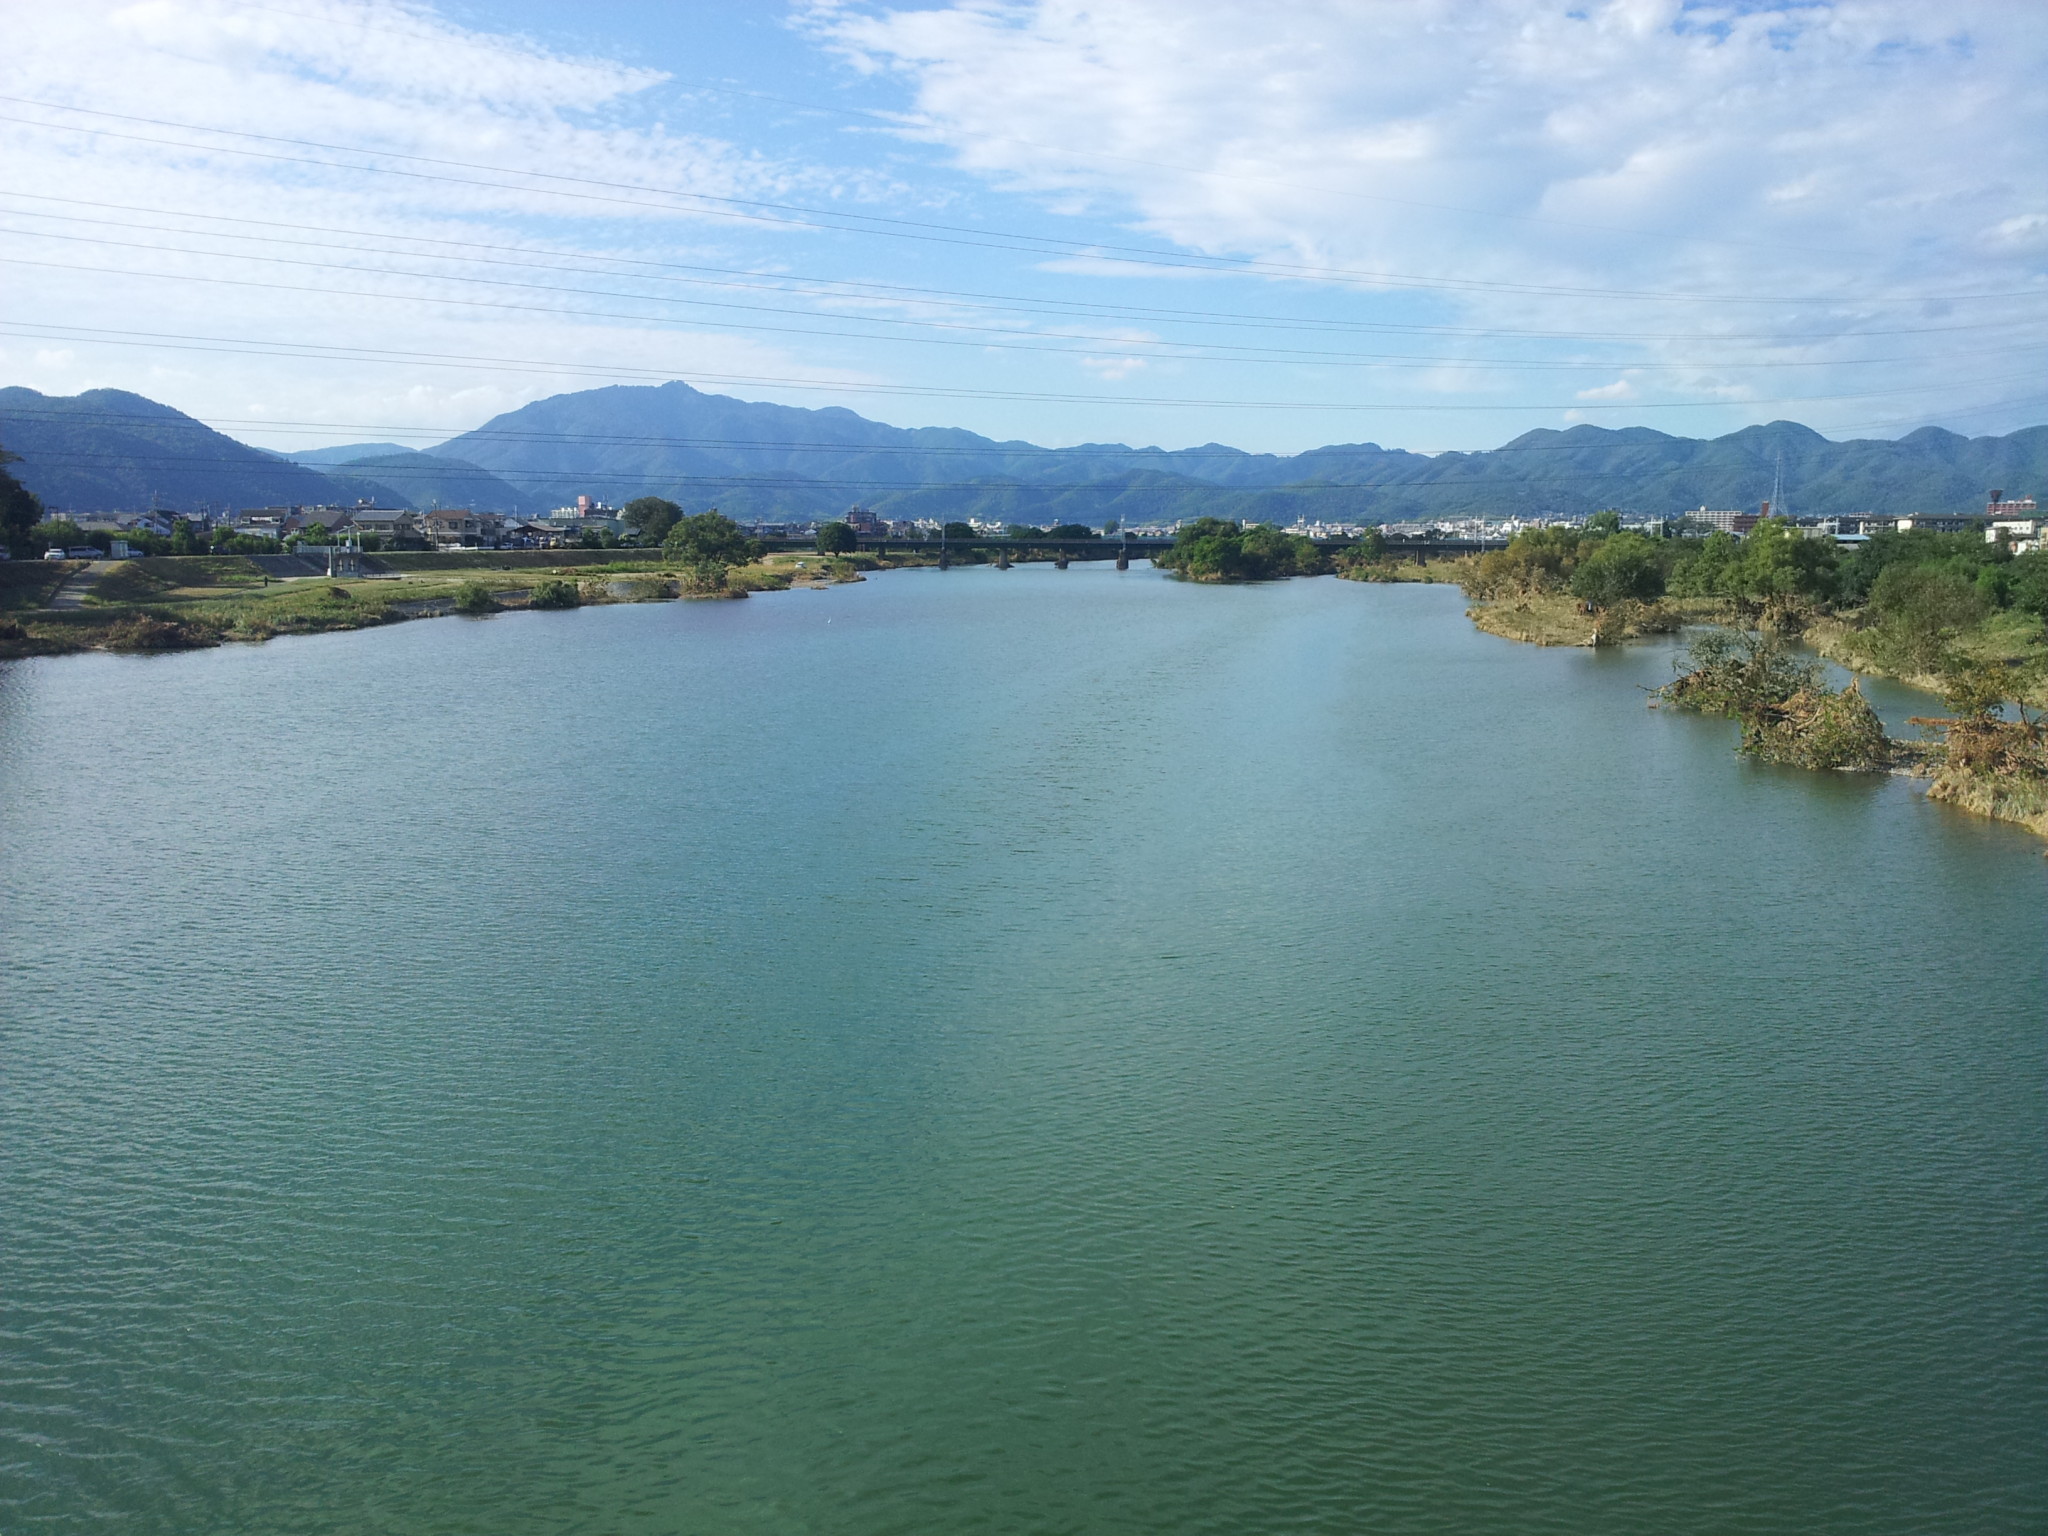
[392, 526]
[1737, 523]
[586, 506]
[462, 528]
[1856, 525]
[2024, 534]
[1938, 522]
[2017, 522]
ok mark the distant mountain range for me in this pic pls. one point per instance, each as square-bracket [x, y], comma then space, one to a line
[107, 450]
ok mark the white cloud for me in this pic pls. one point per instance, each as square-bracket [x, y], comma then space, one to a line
[392, 80]
[1873, 158]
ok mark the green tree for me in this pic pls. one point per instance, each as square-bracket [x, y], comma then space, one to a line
[2026, 586]
[228, 542]
[1211, 549]
[554, 593]
[1920, 611]
[1536, 560]
[1702, 568]
[837, 539]
[651, 517]
[1370, 549]
[187, 538]
[1779, 561]
[1023, 531]
[708, 537]
[20, 508]
[957, 531]
[1964, 553]
[1070, 531]
[1982, 689]
[57, 533]
[1620, 568]
[1603, 523]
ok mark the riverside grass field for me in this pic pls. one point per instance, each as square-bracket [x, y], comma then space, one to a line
[999, 1052]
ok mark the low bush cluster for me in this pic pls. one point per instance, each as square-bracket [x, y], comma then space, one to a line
[554, 593]
[155, 632]
[1787, 711]
[704, 578]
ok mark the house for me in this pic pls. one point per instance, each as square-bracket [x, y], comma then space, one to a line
[156, 522]
[454, 528]
[393, 527]
[263, 522]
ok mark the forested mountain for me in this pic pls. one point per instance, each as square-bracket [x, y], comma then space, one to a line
[344, 453]
[404, 478]
[108, 450]
[761, 460]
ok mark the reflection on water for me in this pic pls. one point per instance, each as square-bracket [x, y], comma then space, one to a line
[999, 1051]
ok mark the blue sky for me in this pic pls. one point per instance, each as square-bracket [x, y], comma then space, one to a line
[1430, 224]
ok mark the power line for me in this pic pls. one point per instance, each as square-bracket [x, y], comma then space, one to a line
[610, 371]
[740, 480]
[1278, 357]
[876, 224]
[1185, 351]
[845, 288]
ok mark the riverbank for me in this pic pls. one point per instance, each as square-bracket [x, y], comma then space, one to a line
[190, 602]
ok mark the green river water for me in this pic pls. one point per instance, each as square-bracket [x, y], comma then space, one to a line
[984, 1051]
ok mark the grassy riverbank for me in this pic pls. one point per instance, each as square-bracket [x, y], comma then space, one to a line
[182, 602]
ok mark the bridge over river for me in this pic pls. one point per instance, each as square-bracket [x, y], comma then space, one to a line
[1124, 550]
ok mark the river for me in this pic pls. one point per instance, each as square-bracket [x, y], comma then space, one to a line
[979, 1051]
